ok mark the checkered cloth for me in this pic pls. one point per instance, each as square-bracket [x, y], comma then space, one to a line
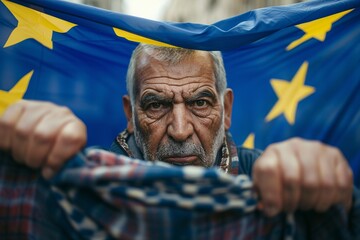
[107, 196]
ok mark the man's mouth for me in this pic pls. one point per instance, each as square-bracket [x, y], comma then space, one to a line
[182, 160]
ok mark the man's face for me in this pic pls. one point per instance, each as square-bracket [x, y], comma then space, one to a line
[178, 114]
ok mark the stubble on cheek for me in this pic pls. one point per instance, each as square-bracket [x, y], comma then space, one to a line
[148, 133]
[143, 127]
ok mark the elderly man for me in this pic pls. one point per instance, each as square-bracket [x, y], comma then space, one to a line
[179, 111]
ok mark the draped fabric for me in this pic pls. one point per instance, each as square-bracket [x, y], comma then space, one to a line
[100, 195]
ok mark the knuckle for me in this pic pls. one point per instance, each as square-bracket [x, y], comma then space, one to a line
[6, 124]
[64, 110]
[310, 185]
[317, 144]
[70, 137]
[291, 181]
[343, 186]
[272, 147]
[20, 105]
[333, 151]
[344, 176]
[271, 200]
[329, 159]
[37, 104]
[328, 185]
[266, 168]
[22, 132]
[41, 136]
[295, 141]
[278, 146]
[73, 137]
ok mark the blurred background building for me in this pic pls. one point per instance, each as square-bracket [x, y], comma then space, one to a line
[114, 5]
[210, 11]
[197, 11]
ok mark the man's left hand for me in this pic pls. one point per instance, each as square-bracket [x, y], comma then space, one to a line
[301, 174]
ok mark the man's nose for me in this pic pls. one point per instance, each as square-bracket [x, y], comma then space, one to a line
[180, 126]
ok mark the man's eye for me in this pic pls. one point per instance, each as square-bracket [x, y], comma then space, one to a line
[155, 105]
[200, 103]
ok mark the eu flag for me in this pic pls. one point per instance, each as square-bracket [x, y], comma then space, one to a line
[294, 69]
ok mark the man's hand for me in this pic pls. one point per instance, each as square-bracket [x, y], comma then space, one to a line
[40, 134]
[300, 174]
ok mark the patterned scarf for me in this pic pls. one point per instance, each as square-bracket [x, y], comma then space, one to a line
[101, 195]
[112, 196]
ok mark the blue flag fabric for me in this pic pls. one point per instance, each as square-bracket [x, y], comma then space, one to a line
[294, 69]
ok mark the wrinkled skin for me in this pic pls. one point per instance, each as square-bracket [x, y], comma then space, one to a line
[179, 117]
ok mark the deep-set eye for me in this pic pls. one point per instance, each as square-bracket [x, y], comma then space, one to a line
[200, 103]
[155, 105]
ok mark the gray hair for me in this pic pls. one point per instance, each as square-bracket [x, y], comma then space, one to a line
[172, 56]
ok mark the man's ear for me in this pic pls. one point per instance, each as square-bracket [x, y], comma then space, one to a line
[228, 103]
[128, 112]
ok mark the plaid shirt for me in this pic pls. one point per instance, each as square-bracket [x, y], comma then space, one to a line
[108, 196]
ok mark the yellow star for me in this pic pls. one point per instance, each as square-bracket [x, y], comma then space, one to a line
[33, 24]
[137, 38]
[249, 142]
[290, 94]
[16, 93]
[316, 29]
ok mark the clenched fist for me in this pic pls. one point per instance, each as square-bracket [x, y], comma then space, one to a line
[41, 134]
[301, 174]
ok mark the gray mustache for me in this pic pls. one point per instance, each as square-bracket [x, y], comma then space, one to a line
[179, 149]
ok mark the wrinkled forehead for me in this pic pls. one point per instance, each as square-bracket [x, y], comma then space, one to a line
[150, 57]
[197, 67]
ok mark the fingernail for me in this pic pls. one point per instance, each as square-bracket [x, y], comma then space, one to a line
[271, 211]
[47, 172]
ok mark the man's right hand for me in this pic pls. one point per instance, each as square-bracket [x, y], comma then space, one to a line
[41, 134]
